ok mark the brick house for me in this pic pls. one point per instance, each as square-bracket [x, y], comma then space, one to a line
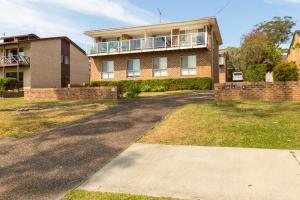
[294, 50]
[171, 50]
[43, 62]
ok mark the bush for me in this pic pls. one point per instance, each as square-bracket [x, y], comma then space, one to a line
[9, 84]
[159, 84]
[256, 73]
[146, 88]
[286, 71]
[133, 91]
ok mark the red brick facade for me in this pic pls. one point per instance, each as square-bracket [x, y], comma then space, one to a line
[204, 64]
[91, 93]
[277, 91]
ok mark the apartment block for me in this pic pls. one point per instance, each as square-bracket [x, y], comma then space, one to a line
[294, 50]
[170, 50]
[38, 62]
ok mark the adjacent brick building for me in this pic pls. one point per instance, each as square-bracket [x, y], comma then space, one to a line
[43, 62]
[294, 50]
[172, 50]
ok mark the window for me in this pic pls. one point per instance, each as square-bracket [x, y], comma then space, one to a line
[133, 68]
[188, 65]
[160, 66]
[65, 60]
[14, 75]
[108, 70]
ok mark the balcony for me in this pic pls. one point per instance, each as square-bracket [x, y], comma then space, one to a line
[147, 44]
[14, 60]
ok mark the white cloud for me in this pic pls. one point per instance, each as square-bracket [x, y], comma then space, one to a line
[24, 16]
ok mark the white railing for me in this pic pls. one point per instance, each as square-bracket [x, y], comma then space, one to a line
[149, 43]
[13, 60]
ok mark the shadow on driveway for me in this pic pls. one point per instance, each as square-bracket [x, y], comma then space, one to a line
[48, 164]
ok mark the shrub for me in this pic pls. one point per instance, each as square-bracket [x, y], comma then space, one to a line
[286, 71]
[8, 84]
[159, 84]
[146, 88]
[133, 91]
[256, 73]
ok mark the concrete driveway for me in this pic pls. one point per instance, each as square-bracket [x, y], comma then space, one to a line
[48, 164]
[206, 173]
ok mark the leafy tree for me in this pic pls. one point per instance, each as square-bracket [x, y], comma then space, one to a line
[233, 63]
[257, 49]
[278, 30]
[256, 73]
[286, 71]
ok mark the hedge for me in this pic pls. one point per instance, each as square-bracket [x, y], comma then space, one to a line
[286, 71]
[256, 73]
[157, 85]
[8, 84]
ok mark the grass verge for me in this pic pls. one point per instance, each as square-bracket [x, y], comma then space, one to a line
[85, 195]
[251, 124]
[40, 115]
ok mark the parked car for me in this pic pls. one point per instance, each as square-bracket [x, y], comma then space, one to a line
[237, 77]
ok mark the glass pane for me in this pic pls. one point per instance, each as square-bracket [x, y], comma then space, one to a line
[111, 66]
[163, 63]
[105, 75]
[136, 64]
[164, 73]
[130, 65]
[156, 63]
[192, 62]
[104, 67]
[185, 72]
[184, 61]
[156, 73]
[192, 72]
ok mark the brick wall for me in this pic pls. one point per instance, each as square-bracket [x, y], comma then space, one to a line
[80, 93]
[277, 91]
[174, 64]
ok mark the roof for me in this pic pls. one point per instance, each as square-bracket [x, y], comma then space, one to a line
[294, 36]
[35, 38]
[32, 35]
[206, 20]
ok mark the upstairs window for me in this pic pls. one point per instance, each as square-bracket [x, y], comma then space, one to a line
[160, 66]
[133, 68]
[108, 70]
[188, 65]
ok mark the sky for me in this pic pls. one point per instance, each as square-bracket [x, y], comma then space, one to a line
[71, 18]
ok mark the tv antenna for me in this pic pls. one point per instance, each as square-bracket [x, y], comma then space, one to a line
[160, 14]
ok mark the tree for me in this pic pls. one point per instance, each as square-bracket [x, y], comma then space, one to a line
[256, 73]
[257, 49]
[278, 30]
[286, 71]
[233, 63]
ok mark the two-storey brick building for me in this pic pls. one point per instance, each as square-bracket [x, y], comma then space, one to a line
[43, 62]
[171, 50]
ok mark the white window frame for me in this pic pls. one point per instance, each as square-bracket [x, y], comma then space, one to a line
[191, 71]
[161, 71]
[109, 74]
[135, 73]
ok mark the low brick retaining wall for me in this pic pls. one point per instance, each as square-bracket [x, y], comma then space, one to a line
[12, 94]
[277, 91]
[80, 93]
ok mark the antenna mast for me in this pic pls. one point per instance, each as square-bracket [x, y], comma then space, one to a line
[160, 14]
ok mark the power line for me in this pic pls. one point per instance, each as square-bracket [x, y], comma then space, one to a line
[224, 7]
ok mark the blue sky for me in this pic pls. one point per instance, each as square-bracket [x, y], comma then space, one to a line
[71, 18]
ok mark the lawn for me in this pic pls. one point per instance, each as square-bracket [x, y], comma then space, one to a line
[231, 124]
[40, 115]
[84, 195]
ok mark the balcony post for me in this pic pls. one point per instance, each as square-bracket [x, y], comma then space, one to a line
[3, 69]
[18, 63]
[165, 41]
[206, 36]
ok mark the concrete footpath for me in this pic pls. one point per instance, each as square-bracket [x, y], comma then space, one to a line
[206, 173]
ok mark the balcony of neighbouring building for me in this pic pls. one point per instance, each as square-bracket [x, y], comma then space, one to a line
[20, 60]
[148, 44]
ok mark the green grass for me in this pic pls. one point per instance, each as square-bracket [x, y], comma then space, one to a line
[84, 195]
[231, 124]
[51, 114]
[152, 94]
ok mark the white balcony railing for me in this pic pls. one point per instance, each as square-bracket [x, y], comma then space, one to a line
[149, 43]
[14, 60]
